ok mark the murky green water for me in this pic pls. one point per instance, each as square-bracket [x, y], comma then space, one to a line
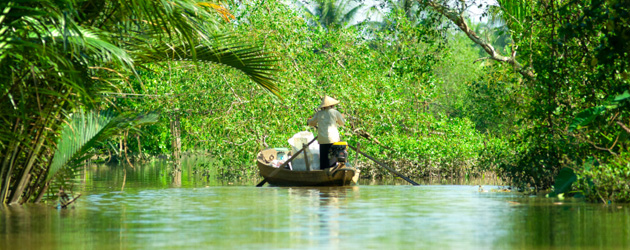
[149, 214]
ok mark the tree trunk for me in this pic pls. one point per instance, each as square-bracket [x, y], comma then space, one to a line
[42, 126]
[42, 192]
[7, 179]
[7, 163]
[120, 149]
[17, 193]
[177, 147]
[126, 135]
[39, 182]
[140, 156]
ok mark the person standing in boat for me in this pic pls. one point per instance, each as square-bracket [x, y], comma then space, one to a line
[327, 120]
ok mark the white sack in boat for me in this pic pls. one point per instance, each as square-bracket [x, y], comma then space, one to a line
[297, 142]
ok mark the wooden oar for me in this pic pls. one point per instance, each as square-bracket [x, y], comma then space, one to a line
[385, 166]
[285, 163]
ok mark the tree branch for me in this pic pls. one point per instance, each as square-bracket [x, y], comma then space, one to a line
[481, 59]
[623, 126]
[458, 18]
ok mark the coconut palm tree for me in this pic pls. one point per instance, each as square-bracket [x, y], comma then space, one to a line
[390, 13]
[410, 8]
[511, 13]
[58, 56]
[507, 18]
[82, 133]
[332, 13]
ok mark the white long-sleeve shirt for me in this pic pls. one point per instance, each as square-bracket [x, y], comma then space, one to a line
[327, 122]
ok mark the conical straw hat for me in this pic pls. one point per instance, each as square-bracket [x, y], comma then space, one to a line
[328, 101]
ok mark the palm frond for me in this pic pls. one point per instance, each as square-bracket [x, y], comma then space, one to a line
[259, 65]
[350, 14]
[514, 12]
[331, 13]
[81, 42]
[84, 131]
[52, 55]
[495, 15]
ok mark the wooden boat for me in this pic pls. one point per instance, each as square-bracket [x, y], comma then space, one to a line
[342, 175]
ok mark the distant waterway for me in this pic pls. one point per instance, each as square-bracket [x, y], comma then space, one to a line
[205, 214]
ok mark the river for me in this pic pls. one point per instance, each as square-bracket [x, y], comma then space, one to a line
[206, 214]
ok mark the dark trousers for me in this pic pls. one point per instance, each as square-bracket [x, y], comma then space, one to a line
[324, 161]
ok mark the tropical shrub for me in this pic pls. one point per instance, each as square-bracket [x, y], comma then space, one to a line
[606, 183]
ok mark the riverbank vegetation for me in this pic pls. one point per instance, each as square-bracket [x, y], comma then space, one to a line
[59, 57]
[536, 92]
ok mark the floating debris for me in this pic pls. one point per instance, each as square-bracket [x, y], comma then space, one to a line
[64, 199]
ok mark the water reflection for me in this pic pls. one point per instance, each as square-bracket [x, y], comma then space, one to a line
[150, 214]
[153, 174]
[569, 223]
[319, 212]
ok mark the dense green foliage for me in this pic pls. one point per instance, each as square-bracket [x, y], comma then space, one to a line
[388, 91]
[606, 182]
[538, 95]
[571, 106]
[57, 57]
[420, 97]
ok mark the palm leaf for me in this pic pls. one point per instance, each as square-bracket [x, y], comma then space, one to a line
[331, 13]
[84, 131]
[350, 14]
[513, 12]
[586, 116]
[53, 55]
[563, 181]
[260, 66]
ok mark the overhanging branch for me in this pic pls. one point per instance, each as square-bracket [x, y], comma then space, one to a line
[458, 18]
